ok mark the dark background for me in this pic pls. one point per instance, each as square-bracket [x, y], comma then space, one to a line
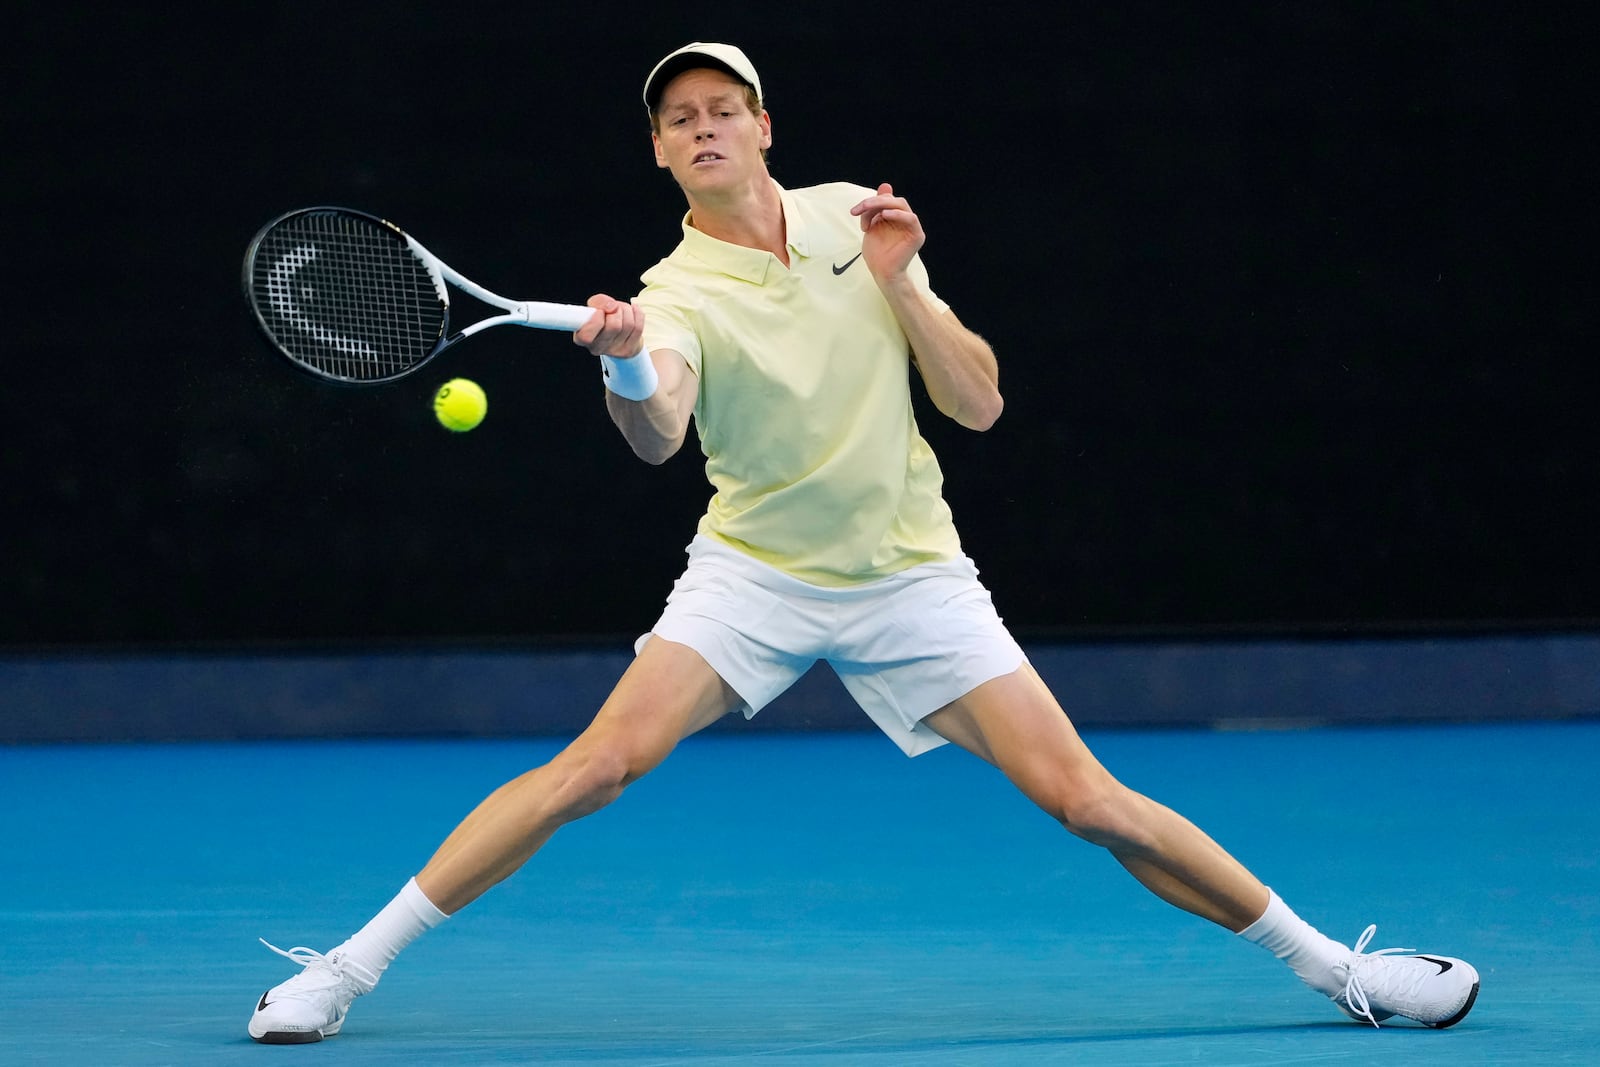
[1293, 303]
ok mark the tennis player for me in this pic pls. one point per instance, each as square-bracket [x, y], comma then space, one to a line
[786, 325]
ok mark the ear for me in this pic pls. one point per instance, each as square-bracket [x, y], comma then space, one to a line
[655, 142]
[764, 121]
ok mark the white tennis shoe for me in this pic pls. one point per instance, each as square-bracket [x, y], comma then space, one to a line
[311, 1005]
[1436, 991]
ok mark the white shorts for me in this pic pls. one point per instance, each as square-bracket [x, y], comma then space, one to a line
[904, 646]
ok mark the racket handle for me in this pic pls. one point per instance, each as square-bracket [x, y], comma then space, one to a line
[552, 316]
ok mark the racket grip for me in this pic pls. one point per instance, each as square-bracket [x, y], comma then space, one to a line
[553, 316]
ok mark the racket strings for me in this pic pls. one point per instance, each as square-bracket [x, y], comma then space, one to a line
[346, 297]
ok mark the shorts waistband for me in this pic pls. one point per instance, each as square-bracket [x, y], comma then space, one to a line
[704, 550]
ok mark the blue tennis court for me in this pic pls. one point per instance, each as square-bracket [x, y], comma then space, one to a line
[797, 899]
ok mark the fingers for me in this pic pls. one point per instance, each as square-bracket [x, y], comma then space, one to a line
[884, 207]
[615, 329]
[885, 192]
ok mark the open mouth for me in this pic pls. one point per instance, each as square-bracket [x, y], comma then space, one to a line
[707, 157]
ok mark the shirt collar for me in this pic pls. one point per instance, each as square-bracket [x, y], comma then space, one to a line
[749, 264]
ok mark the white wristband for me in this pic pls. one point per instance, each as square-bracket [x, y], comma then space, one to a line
[632, 377]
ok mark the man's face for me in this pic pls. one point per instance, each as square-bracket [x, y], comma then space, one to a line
[708, 136]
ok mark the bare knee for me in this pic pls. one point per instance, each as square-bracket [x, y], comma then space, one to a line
[591, 776]
[1101, 810]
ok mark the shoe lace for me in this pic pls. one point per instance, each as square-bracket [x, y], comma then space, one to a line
[334, 964]
[1384, 982]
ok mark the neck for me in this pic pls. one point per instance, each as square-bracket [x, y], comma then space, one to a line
[751, 216]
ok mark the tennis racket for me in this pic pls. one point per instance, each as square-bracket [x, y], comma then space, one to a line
[352, 298]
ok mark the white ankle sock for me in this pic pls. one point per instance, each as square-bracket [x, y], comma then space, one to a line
[404, 919]
[1318, 960]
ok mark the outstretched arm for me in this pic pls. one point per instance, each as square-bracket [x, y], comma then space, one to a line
[656, 426]
[958, 367]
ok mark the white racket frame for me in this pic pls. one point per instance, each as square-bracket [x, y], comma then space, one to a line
[536, 313]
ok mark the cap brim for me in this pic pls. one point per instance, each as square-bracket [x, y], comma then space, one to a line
[676, 66]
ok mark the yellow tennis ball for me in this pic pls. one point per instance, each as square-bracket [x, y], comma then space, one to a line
[460, 405]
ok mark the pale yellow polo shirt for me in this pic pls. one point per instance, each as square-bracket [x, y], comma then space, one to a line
[804, 408]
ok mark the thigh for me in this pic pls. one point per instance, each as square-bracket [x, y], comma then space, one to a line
[668, 692]
[1015, 723]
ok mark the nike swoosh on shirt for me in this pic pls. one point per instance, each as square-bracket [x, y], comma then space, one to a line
[838, 270]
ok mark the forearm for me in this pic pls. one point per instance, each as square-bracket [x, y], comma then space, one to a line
[656, 426]
[958, 367]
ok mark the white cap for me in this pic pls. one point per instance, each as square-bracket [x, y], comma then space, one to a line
[700, 54]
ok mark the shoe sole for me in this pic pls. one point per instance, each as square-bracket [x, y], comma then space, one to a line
[289, 1037]
[295, 1037]
[1472, 998]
